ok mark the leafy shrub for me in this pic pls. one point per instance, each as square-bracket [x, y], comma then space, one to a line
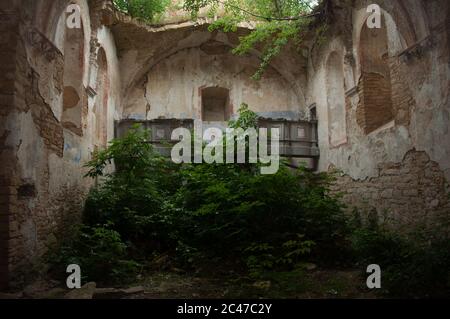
[131, 200]
[206, 211]
[147, 10]
[227, 208]
[246, 119]
[410, 267]
[263, 256]
[101, 254]
[232, 214]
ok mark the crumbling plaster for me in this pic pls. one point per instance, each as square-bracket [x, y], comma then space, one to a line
[106, 41]
[45, 173]
[172, 88]
[428, 125]
[142, 48]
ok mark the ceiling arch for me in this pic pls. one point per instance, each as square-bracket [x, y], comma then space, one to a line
[149, 46]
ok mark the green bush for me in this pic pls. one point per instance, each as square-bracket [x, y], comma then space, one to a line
[411, 267]
[264, 257]
[227, 208]
[147, 10]
[231, 214]
[200, 212]
[100, 253]
[132, 199]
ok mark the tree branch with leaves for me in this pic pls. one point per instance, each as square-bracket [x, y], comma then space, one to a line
[276, 23]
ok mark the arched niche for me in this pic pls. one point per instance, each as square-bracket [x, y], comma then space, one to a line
[336, 99]
[376, 108]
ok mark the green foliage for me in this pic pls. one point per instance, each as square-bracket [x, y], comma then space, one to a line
[232, 214]
[294, 249]
[247, 118]
[132, 199]
[202, 211]
[274, 36]
[147, 10]
[101, 254]
[411, 267]
[275, 24]
[229, 208]
[263, 257]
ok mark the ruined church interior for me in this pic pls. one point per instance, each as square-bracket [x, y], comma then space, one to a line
[369, 105]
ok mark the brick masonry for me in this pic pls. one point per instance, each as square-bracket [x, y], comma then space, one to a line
[409, 194]
[32, 213]
[9, 29]
[376, 102]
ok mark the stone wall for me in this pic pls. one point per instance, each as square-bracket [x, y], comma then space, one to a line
[42, 184]
[404, 124]
[9, 29]
[406, 194]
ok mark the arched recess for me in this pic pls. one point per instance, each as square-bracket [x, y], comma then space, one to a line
[102, 88]
[215, 104]
[73, 94]
[376, 108]
[336, 99]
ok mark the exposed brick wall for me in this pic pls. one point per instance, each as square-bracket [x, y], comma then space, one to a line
[375, 87]
[8, 42]
[28, 79]
[31, 214]
[36, 212]
[409, 194]
[376, 102]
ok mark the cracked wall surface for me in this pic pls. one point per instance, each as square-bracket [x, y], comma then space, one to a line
[172, 87]
[417, 57]
[396, 163]
[42, 183]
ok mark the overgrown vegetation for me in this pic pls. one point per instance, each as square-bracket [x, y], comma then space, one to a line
[275, 23]
[147, 10]
[229, 216]
[417, 266]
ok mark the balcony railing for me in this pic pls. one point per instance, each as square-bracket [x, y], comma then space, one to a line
[298, 139]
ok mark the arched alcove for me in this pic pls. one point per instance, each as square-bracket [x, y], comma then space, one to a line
[375, 109]
[336, 99]
[101, 102]
[215, 104]
[73, 97]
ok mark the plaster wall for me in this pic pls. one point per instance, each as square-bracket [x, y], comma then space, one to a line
[418, 58]
[172, 88]
[44, 175]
